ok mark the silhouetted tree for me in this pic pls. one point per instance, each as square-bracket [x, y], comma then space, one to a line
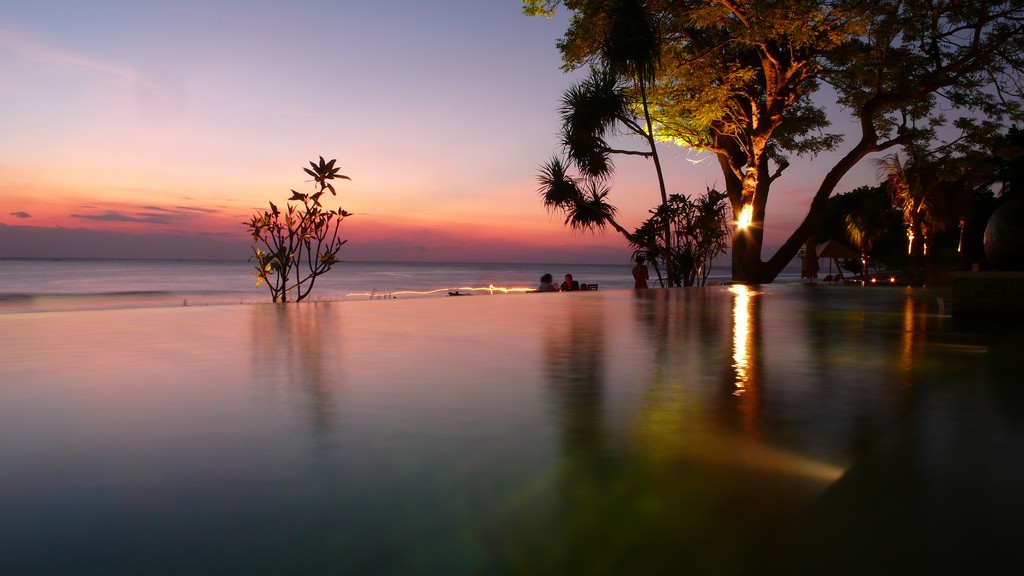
[294, 247]
[595, 110]
[1008, 159]
[866, 219]
[700, 226]
[582, 200]
[701, 229]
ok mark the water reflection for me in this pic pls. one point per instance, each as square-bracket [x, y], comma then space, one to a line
[298, 347]
[574, 356]
[746, 351]
[742, 334]
[914, 321]
[578, 433]
[653, 454]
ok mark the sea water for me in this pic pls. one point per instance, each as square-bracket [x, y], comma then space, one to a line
[78, 284]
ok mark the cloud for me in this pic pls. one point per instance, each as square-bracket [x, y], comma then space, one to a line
[21, 214]
[158, 215]
[38, 242]
[195, 209]
[114, 216]
[176, 209]
[39, 51]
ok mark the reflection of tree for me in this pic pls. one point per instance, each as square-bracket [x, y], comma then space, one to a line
[296, 344]
[651, 489]
[574, 366]
[558, 536]
[670, 317]
[862, 366]
[907, 348]
[664, 469]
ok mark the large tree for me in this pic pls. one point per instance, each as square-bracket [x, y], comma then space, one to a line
[742, 80]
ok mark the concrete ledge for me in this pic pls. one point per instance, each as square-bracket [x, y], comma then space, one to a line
[988, 293]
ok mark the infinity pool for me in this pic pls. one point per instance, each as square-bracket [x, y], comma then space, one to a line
[616, 432]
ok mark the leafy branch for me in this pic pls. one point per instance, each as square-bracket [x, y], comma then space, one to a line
[293, 247]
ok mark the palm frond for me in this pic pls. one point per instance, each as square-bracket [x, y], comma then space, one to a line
[590, 111]
[557, 188]
[632, 47]
[592, 211]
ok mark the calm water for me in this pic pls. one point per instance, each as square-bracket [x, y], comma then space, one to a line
[609, 432]
[32, 285]
[36, 285]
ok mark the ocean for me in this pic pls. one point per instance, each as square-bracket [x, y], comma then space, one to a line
[39, 285]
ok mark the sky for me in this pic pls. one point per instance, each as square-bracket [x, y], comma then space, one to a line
[154, 129]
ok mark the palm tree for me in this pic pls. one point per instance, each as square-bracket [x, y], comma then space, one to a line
[584, 203]
[931, 195]
[911, 196]
[864, 228]
[632, 49]
[711, 229]
[702, 229]
[630, 52]
[645, 243]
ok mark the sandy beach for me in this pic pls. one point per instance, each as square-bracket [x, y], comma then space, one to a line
[725, 430]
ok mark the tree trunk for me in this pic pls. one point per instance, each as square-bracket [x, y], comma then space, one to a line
[819, 206]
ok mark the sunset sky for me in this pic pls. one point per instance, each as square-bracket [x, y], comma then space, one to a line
[174, 121]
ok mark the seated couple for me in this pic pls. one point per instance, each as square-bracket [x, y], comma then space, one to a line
[547, 284]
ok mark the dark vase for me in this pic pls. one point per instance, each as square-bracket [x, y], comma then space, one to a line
[1004, 237]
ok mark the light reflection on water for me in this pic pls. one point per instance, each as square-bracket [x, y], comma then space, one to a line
[612, 431]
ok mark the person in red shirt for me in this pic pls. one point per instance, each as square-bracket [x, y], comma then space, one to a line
[640, 275]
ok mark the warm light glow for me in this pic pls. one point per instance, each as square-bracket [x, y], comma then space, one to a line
[741, 335]
[467, 289]
[892, 279]
[746, 217]
[908, 339]
[910, 240]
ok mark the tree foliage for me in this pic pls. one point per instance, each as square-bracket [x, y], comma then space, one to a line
[292, 248]
[1007, 156]
[874, 220]
[743, 79]
[701, 233]
[700, 226]
[613, 100]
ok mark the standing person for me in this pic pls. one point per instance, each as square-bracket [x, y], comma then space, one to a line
[640, 273]
[547, 284]
[569, 285]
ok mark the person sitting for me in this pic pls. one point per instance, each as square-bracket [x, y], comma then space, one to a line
[569, 285]
[547, 284]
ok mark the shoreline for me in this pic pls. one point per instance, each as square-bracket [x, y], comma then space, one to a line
[24, 303]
